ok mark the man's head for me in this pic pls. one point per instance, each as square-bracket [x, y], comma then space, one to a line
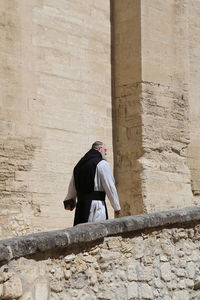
[99, 146]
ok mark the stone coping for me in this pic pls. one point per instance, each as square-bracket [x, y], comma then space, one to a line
[84, 233]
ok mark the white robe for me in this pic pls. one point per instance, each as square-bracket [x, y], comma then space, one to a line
[103, 181]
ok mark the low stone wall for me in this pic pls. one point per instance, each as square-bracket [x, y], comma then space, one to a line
[154, 256]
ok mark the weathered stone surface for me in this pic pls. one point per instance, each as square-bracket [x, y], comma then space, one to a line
[180, 295]
[12, 289]
[165, 269]
[189, 283]
[146, 291]
[1, 290]
[67, 274]
[54, 296]
[191, 270]
[107, 272]
[181, 285]
[56, 286]
[5, 254]
[69, 258]
[153, 104]
[197, 283]
[52, 95]
[1, 277]
[106, 255]
[133, 291]
[41, 242]
[28, 295]
[132, 271]
[180, 272]
[114, 243]
[41, 289]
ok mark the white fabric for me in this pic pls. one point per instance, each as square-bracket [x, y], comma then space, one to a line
[71, 194]
[103, 181]
[97, 211]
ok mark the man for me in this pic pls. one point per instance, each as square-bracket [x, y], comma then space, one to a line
[92, 179]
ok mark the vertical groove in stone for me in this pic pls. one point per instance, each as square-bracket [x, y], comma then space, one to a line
[194, 96]
[126, 95]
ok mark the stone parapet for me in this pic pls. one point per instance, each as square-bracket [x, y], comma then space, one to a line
[90, 232]
[154, 256]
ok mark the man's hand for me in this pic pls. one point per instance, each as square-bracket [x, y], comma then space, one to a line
[68, 207]
[69, 204]
[117, 212]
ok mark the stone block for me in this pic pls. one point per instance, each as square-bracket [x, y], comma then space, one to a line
[132, 274]
[180, 295]
[108, 255]
[165, 269]
[67, 274]
[41, 290]
[27, 295]
[12, 289]
[189, 283]
[1, 290]
[197, 283]
[54, 296]
[146, 291]
[133, 291]
[56, 286]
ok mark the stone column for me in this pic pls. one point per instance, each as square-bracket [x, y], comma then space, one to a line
[151, 108]
[194, 96]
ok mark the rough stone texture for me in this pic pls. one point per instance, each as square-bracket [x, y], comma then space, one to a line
[127, 110]
[194, 95]
[55, 100]
[12, 289]
[110, 268]
[56, 94]
[152, 107]
[82, 233]
[165, 104]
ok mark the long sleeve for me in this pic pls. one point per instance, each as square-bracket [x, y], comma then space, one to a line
[104, 180]
[71, 190]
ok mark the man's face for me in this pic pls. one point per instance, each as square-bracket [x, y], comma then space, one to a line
[102, 149]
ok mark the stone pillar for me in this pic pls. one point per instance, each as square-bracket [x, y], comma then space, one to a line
[127, 121]
[151, 107]
[194, 96]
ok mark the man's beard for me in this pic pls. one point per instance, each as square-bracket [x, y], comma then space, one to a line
[103, 156]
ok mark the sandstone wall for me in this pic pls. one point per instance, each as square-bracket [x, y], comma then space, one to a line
[127, 113]
[55, 101]
[152, 104]
[145, 259]
[165, 72]
[194, 96]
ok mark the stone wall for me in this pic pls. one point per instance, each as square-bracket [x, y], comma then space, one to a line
[127, 110]
[156, 95]
[194, 95]
[165, 103]
[55, 101]
[153, 256]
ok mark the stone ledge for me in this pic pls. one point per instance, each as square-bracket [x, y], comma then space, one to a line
[58, 239]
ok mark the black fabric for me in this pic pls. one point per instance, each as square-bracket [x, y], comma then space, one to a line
[84, 173]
